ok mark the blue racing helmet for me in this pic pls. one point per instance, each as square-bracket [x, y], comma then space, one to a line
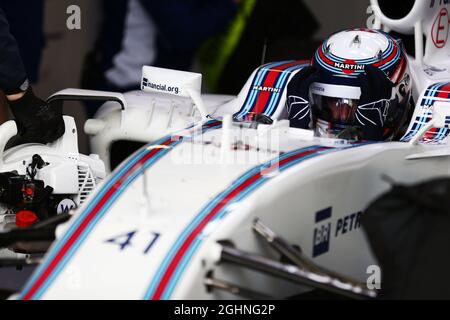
[361, 84]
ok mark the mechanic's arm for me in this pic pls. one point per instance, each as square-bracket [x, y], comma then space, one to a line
[12, 70]
[36, 121]
[187, 23]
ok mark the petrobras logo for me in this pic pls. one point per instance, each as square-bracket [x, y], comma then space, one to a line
[267, 89]
[321, 238]
[325, 229]
[349, 66]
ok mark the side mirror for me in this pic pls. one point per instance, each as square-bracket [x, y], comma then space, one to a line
[92, 126]
[71, 94]
[440, 119]
[174, 82]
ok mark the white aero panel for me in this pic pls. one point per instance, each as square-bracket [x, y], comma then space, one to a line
[169, 81]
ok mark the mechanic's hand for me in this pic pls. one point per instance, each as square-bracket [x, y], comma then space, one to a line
[36, 120]
[297, 102]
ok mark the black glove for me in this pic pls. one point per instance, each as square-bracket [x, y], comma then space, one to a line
[297, 101]
[37, 121]
[375, 106]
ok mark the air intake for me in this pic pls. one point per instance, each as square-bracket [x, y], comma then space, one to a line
[86, 183]
[396, 9]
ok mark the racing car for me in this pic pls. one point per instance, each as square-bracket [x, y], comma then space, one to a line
[237, 203]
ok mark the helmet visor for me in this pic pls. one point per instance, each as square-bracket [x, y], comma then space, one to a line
[338, 111]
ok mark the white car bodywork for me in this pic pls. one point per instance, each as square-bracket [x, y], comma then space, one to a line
[65, 161]
[158, 226]
[67, 171]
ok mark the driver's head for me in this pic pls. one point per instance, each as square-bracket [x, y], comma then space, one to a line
[358, 86]
[334, 107]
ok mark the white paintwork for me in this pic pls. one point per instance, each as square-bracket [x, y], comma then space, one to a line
[173, 82]
[368, 46]
[7, 131]
[61, 173]
[346, 180]
[62, 155]
[149, 117]
[167, 196]
[441, 113]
